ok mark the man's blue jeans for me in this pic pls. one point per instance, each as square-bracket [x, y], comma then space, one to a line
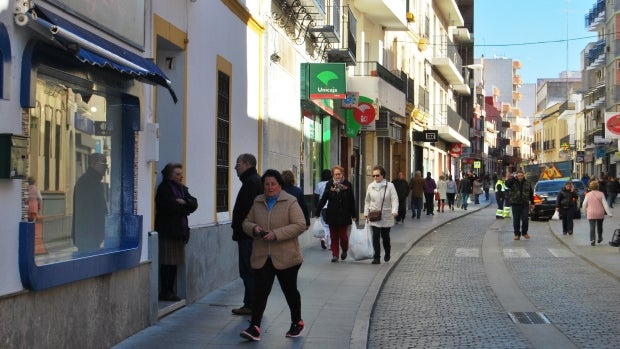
[416, 206]
[464, 200]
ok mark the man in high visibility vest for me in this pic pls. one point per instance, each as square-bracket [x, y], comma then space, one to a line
[500, 191]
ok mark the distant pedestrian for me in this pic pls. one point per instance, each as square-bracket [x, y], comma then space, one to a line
[289, 186]
[451, 188]
[521, 197]
[500, 192]
[567, 203]
[402, 188]
[613, 187]
[465, 189]
[340, 212]
[429, 193]
[595, 206]
[477, 190]
[442, 187]
[486, 186]
[417, 186]
[585, 179]
[381, 195]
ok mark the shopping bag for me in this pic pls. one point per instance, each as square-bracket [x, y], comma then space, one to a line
[458, 200]
[360, 243]
[317, 229]
[556, 216]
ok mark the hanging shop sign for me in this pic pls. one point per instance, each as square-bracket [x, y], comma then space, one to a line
[612, 125]
[426, 136]
[323, 80]
[456, 149]
[363, 115]
[351, 100]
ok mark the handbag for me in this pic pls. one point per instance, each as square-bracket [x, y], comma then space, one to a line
[375, 215]
[437, 197]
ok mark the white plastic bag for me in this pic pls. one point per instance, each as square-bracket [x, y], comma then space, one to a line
[556, 216]
[360, 243]
[317, 229]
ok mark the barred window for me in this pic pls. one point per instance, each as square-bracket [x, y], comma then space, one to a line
[223, 141]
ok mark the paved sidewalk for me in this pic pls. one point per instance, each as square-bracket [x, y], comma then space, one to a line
[603, 256]
[337, 298]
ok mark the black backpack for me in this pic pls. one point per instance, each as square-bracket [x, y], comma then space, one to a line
[615, 240]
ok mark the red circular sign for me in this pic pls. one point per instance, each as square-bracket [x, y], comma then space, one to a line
[364, 113]
[613, 124]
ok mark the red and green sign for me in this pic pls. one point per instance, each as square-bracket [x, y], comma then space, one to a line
[323, 80]
[364, 114]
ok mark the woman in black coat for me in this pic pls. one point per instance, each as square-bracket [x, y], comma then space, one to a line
[340, 211]
[173, 203]
[567, 203]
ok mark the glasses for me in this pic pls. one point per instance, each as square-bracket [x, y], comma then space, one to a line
[376, 175]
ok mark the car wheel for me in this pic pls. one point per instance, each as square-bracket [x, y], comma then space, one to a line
[533, 218]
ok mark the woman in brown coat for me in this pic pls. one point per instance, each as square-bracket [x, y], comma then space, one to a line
[275, 221]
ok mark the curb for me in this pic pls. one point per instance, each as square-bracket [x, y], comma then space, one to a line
[359, 334]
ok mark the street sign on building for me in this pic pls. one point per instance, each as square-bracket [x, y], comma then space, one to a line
[426, 136]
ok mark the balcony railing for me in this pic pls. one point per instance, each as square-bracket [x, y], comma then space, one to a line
[597, 10]
[449, 117]
[376, 69]
[449, 50]
[596, 53]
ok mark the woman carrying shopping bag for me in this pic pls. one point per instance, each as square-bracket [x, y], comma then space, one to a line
[566, 204]
[381, 195]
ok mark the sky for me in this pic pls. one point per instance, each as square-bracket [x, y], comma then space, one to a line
[546, 36]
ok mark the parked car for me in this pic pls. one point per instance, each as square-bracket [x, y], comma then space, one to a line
[545, 195]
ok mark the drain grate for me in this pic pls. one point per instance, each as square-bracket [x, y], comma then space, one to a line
[531, 317]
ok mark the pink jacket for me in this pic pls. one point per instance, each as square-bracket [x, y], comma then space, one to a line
[595, 205]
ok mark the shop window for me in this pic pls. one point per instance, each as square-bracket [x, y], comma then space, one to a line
[83, 128]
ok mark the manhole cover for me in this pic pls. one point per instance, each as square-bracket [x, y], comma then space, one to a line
[529, 318]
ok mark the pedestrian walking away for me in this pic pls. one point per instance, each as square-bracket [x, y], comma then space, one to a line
[595, 207]
[250, 188]
[402, 188]
[451, 188]
[417, 186]
[521, 198]
[381, 195]
[465, 189]
[429, 193]
[477, 189]
[274, 224]
[340, 212]
[442, 188]
[567, 203]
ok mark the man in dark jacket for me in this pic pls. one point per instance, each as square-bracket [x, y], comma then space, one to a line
[402, 189]
[521, 197]
[466, 187]
[89, 206]
[251, 187]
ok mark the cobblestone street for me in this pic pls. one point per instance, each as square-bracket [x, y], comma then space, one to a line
[439, 295]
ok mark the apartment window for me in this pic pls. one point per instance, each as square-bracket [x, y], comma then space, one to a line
[223, 141]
